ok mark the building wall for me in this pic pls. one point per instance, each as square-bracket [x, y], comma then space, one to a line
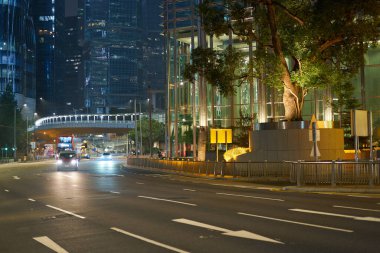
[44, 21]
[17, 52]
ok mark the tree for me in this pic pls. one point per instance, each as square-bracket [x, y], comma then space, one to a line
[157, 132]
[7, 107]
[302, 45]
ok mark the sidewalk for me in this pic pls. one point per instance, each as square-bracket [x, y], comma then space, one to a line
[273, 186]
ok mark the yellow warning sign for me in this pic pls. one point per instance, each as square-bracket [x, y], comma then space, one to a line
[220, 135]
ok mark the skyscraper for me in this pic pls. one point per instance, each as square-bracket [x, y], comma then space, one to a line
[125, 53]
[69, 76]
[44, 21]
[17, 53]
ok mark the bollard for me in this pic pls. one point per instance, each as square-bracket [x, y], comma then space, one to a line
[333, 180]
[299, 183]
[371, 174]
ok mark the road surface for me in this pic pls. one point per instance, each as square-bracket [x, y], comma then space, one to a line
[104, 207]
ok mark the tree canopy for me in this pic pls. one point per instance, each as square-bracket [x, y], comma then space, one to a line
[7, 105]
[300, 45]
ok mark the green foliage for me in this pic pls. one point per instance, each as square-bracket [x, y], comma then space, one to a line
[222, 69]
[156, 131]
[7, 105]
[301, 45]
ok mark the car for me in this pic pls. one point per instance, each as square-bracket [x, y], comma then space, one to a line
[106, 156]
[68, 159]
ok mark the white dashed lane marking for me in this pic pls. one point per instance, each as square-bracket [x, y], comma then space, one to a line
[298, 223]
[168, 200]
[67, 212]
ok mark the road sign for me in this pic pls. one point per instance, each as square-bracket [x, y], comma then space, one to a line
[220, 135]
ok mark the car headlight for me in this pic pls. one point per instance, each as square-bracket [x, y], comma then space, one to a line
[59, 162]
[73, 162]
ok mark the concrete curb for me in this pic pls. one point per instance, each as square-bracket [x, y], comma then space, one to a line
[355, 189]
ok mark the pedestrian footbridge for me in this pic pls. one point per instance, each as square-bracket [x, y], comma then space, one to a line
[84, 123]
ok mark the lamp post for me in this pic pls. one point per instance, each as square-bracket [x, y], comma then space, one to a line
[14, 134]
[136, 136]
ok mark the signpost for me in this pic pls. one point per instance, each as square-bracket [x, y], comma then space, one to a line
[220, 136]
[361, 125]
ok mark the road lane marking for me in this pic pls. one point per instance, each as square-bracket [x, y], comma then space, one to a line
[248, 196]
[6, 190]
[239, 233]
[149, 240]
[359, 196]
[67, 212]
[50, 244]
[168, 200]
[190, 190]
[296, 222]
[31, 200]
[139, 183]
[16, 178]
[69, 176]
[337, 215]
[356, 208]
[114, 192]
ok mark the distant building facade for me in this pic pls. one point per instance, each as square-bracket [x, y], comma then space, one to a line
[17, 53]
[125, 60]
[69, 52]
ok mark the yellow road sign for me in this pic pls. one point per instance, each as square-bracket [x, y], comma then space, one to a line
[220, 135]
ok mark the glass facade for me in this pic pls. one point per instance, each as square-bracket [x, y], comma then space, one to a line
[113, 68]
[17, 52]
[44, 21]
[68, 54]
[125, 60]
[202, 106]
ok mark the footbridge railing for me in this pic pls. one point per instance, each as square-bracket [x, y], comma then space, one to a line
[87, 120]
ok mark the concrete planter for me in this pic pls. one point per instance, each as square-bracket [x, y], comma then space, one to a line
[289, 141]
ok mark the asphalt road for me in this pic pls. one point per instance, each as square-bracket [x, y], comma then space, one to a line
[104, 207]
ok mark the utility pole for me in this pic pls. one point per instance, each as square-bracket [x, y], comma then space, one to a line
[14, 133]
[140, 128]
[136, 136]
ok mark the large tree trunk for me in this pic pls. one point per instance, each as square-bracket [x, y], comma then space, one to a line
[290, 99]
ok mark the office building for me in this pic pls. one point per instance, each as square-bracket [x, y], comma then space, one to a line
[125, 60]
[44, 21]
[17, 53]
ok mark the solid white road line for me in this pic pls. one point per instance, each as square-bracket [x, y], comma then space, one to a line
[240, 233]
[359, 196]
[69, 176]
[68, 212]
[139, 183]
[337, 215]
[299, 223]
[248, 196]
[114, 192]
[31, 200]
[356, 208]
[190, 190]
[16, 177]
[50, 244]
[168, 200]
[6, 190]
[149, 240]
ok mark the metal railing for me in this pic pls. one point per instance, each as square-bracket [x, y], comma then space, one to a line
[335, 172]
[296, 172]
[87, 120]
